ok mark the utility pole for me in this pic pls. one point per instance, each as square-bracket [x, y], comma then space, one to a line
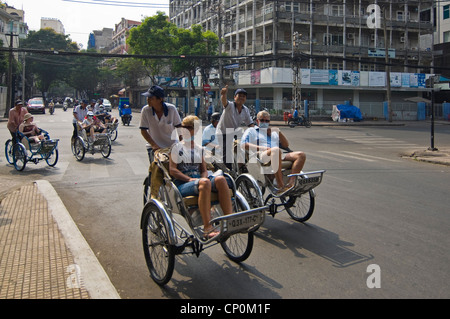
[296, 89]
[9, 93]
[387, 68]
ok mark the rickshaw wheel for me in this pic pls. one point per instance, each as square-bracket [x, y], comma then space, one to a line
[114, 135]
[159, 254]
[300, 208]
[9, 151]
[250, 191]
[52, 158]
[146, 192]
[106, 149]
[78, 149]
[19, 157]
[238, 246]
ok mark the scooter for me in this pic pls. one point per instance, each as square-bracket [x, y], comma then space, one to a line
[51, 107]
[125, 114]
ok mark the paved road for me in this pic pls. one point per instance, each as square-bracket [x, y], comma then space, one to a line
[373, 207]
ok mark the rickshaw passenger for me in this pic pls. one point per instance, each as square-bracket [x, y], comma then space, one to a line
[188, 168]
[30, 130]
[265, 141]
[92, 125]
[158, 122]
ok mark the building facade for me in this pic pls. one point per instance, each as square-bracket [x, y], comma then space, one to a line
[119, 36]
[287, 49]
[53, 23]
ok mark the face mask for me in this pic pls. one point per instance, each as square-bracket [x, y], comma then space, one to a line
[263, 125]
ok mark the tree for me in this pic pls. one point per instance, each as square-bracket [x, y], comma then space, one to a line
[153, 37]
[47, 70]
[194, 42]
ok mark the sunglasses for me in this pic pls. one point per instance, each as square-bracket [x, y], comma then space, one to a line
[264, 121]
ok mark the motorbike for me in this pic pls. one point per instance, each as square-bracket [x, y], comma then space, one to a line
[300, 121]
[51, 107]
[125, 114]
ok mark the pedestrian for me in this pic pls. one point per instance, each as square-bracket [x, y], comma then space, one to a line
[235, 115]
[158, 124]
[15, 118]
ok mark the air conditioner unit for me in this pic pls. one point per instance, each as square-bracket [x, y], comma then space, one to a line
[402, 39]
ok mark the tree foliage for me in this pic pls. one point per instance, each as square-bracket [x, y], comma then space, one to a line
[46, 70]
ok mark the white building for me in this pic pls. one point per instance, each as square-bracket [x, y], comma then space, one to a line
[53, 23]
[334, 50]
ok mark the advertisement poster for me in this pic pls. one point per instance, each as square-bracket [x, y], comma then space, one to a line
[377, 79]
[333, 77]
[355, 78]
[396, 79]
[319, 77]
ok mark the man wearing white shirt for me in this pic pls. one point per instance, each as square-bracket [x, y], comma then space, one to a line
[266, 142]
[158, 122]
[235, 115]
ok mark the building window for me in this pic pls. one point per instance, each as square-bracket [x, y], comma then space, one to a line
[447, 36]
[446, 11]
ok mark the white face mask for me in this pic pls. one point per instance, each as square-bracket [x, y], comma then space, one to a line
[263, 125]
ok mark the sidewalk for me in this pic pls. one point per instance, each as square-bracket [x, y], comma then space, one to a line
[42, 253]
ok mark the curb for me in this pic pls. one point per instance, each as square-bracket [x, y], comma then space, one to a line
[95, 279]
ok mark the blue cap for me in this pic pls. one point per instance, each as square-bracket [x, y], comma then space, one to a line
[154, 91]
[240, 91]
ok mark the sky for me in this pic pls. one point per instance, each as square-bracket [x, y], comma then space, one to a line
[81, 17]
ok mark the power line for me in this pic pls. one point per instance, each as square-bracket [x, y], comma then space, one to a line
[122, 4]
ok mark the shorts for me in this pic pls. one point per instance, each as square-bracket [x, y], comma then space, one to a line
[191, 188]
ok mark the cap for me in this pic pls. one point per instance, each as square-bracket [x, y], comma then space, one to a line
[240, 91]
[90, 113]
[215, 117]
[154, 91]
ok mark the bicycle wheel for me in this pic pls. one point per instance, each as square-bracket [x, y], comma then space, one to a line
[52, 158]
[106, 149]
[78, 149]
[238, 246]
[250, 190]
[300, 208]
[19, 157]
[159, 254]
[146, 193]
[9, 151]
[292, 123]
[114, 135]
[308, 123]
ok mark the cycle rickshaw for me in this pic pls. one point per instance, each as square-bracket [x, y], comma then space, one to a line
[253, 179]
[101, 142]
[172, 225]
[26, 150]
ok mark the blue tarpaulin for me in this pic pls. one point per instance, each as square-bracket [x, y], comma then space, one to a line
[349, 112]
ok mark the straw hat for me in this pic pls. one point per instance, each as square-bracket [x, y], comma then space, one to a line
[189, 121]
[27, 116]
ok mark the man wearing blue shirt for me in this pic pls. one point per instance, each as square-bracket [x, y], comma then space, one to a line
[209, 134]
